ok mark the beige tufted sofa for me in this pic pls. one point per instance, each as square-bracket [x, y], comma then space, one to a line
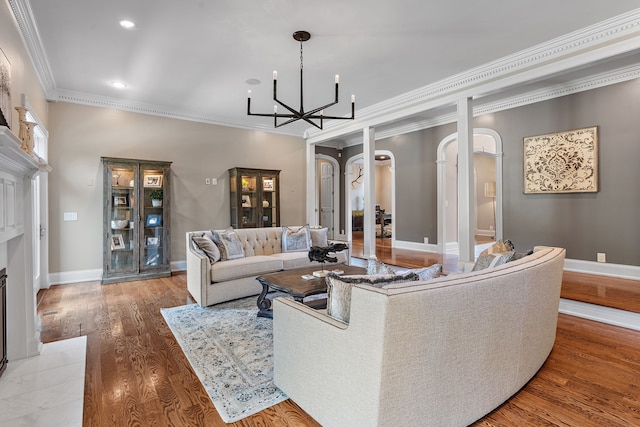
[222, 281]
[442, 352]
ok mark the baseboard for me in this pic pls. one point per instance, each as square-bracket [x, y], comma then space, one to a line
[416, 246]
[603, 269]
[65, 277]
[598, 313]
[68, 277]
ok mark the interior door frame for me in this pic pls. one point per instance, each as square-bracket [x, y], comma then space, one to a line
[336, 192]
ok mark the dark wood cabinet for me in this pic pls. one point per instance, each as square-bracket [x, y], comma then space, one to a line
[136, 220]
[254, 197]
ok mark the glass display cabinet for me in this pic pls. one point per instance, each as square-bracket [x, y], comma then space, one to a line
[254, 197]
[136, 220]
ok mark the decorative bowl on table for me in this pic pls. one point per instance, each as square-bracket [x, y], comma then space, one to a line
[118, 224]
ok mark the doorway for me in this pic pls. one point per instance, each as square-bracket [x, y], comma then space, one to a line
[488, 189]
[385, 198]
[328, 194]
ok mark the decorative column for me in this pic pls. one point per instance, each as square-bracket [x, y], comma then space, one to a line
[466, 190]
[29, 139]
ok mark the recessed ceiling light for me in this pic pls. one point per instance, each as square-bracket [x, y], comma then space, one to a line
[118, 85]
[127, 24]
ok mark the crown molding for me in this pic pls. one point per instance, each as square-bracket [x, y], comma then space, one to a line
[606, 39]
[157, 110]
[568, 88]
[26, 23]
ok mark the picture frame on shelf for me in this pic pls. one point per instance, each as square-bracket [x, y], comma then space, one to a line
[267, 184]
[153, 220]
[153, 241]
[246, 201]
[153, 181]
[120, 201]
[117, 242]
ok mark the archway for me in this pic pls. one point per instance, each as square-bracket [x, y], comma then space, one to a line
[487, 142]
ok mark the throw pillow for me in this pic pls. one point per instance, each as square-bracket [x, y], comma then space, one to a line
[519, 255]
[375, 267]
[492, 260]
[429, 273]
[208, 247]
[320, 237]
[228, 243]
[339, 290]
[296, 239]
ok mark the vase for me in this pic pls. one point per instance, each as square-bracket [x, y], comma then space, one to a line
[156, 203]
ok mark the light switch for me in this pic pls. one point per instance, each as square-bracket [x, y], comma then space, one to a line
[207, 181]
[214, 181]
[71, 216]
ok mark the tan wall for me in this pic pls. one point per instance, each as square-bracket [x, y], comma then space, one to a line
[80, 135]
[23, 77]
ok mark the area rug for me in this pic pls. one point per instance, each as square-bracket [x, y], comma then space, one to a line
[231, 352]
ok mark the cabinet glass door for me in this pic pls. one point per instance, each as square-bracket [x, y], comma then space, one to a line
[153, 219]
[121, 219]
[249, 202]
[269, 206]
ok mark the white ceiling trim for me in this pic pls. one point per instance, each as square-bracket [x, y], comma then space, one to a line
[606, 39]
[575, 86]
[155, 110]
[26, 23]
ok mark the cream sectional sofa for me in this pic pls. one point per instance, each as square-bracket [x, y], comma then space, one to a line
[226, 280]
[442, 352]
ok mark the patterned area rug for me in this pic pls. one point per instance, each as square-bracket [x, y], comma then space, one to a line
[231, 352]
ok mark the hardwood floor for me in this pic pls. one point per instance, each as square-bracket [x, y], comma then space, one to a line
[137, 375]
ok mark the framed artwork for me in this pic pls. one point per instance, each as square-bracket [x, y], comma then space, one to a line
[153, 181]
[117, 243]
[267, 185]
[153, 241]
[154, 220]
[246, 201]
[5, 90]
[120, 201]
[563, 162]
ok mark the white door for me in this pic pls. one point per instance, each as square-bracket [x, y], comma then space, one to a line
[326, 197]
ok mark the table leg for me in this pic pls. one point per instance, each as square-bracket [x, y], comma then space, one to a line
[264, 303]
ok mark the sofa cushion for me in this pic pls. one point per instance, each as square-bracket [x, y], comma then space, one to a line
[244, 267]
[291, 260]
[339, 290]
[296, 239]
[228, 243]
[377, 267]
[208, 247]
[319, 237]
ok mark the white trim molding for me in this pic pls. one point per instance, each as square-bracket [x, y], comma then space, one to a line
[27, 24]
[598, 313]
[607, 39]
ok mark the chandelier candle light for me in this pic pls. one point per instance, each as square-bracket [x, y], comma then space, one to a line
[293, 115]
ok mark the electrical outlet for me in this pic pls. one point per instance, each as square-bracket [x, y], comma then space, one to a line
[207, 181]
[602, 257]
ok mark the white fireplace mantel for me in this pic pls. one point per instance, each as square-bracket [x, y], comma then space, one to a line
[17, 240]
[13, 159]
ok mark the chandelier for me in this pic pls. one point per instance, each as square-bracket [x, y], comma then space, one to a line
[314, 117]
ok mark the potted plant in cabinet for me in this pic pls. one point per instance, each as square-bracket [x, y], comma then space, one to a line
[156, 198]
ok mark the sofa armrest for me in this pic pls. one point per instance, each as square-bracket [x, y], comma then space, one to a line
[198, 272]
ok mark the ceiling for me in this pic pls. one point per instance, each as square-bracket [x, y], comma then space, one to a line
[193, 58]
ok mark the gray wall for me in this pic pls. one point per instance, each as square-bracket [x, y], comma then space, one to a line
[80, 135]
[585, 223]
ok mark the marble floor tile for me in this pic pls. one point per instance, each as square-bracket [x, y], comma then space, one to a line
[46, 390]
